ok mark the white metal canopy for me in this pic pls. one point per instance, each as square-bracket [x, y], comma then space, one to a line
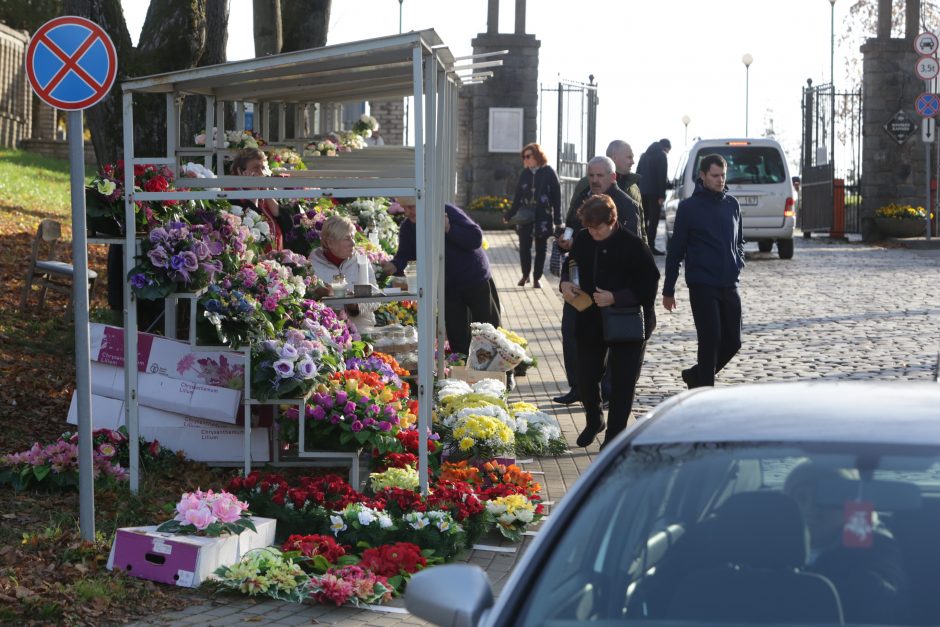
[412, 64]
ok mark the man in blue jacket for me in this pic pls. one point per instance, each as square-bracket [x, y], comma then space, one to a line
[708, 236]
[469, 290]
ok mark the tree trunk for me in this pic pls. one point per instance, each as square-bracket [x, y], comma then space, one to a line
[193, 115]
[173, 38]
[305, 26]
[104, 119]
[305, 23]
[268, 31]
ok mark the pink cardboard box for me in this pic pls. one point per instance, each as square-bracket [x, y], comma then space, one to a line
[181, 560]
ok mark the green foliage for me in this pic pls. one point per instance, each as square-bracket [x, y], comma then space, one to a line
[34, 182]
[29, 15]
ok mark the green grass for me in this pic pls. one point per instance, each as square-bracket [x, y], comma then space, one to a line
[35, 183]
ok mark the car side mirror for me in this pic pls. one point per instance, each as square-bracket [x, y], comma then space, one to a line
[451, 594]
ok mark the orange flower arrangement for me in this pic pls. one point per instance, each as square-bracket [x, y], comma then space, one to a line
[457, 472]
[393, 363]
[512, 475]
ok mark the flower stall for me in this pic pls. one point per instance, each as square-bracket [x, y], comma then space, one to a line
[182, 261]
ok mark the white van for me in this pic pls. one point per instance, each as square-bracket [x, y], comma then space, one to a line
[760, 180]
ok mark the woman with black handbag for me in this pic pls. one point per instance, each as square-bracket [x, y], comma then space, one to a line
[535, 211]
[617, 271]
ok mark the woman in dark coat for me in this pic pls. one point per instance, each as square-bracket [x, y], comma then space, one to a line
[614, 268]
[539, 188]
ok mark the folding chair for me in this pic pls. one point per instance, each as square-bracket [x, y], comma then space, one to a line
[49, 272]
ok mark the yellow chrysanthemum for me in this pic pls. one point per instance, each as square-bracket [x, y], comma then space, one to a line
[466, 444]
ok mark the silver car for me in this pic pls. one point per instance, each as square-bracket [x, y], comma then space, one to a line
[811, 502]
[760, 180]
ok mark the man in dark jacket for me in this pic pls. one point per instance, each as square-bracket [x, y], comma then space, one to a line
[708, 236]
[621, 154]
[654, 182]
[469, 291]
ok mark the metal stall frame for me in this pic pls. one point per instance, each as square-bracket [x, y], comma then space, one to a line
[413, 64]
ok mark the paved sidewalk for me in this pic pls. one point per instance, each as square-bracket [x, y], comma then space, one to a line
[837, 310]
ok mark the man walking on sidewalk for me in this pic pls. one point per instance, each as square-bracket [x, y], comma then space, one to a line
[654, 182]
[708, 236]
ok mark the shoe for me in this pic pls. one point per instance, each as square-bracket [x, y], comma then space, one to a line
[656, 251]
[586, 437]
[568, 399]
[688, 379]
[523, 281]
[537, 284]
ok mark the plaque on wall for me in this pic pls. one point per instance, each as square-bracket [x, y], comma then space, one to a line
[506, 129]
[900, 127]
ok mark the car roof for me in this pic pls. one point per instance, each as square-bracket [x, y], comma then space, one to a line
[721, 141]
[810, 411]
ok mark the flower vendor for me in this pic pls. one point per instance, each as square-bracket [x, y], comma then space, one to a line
[469, 290]
[335, 257]
[253, 162]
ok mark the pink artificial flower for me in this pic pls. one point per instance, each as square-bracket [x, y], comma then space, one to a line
[189, 501]
[199, 518]
[227, 508]
[270, 303]
[107, 449]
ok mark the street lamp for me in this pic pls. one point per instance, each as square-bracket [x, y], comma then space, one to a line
[747, 60]
[832, 84]
[685, 120]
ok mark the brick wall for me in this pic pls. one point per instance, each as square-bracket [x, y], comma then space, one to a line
[390, 115]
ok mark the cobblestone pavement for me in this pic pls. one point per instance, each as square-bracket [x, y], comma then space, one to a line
[835, 311]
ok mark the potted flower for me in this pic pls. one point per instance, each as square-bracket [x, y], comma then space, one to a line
[487, 211]
[266, 572]
[210, 514]
[895, 220]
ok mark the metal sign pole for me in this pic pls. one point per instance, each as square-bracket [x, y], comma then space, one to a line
[86, 481]
[927, 86]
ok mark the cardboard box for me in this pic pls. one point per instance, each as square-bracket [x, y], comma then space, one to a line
[199, 439]
[173, 395]
[171, 358]
[471, 376]
[181, 560]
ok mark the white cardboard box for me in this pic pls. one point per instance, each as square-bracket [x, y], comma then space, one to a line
[183, 560]
[173, 395]
[199, 439]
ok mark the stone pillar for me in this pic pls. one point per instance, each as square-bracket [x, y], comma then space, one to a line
[912, 19]
[520, 17]
[884, 19]
[492, 17]
[515, 84]
[890, 172]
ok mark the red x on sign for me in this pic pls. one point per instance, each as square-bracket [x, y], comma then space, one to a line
[71, 63]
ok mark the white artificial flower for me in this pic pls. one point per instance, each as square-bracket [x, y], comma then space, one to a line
[366, 517]
[337, 524]
[385, 521]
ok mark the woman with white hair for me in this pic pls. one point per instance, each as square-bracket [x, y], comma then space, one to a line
[336, 256]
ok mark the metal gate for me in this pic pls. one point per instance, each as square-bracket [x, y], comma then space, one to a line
[831, 160]
[575, 105]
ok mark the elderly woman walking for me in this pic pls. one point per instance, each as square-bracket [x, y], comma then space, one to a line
[535, 211]
[615, 271]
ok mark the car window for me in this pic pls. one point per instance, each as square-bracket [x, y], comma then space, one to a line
[749, 534]
[748, 165]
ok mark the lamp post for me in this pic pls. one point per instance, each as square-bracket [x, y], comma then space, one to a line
[685, 120]
[747, 60]
[832, 84]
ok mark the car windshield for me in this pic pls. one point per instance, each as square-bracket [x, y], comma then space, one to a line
[748, 165]
[744, 533]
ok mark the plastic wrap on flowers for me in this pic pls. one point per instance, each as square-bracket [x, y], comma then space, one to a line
[320, 319]
[491, 350]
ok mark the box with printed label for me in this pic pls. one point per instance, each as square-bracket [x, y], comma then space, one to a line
[174, 395]
[168, 357]
[183, 560]
[199, 439]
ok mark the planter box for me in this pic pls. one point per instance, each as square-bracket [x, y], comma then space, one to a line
[889, 227]
[489, 220]
[182, 560]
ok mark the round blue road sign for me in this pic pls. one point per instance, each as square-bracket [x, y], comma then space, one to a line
[927, 104]
[71, 63]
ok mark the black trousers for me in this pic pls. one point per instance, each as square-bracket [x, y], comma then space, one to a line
[623, 364]
[569, 351]
[651, 209]
[526, 236]
[717, 315]
[465, 305]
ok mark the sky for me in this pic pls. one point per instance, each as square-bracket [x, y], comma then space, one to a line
[654, 61]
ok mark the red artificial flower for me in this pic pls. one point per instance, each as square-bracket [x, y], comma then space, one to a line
[315, 544]
[390, 560]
